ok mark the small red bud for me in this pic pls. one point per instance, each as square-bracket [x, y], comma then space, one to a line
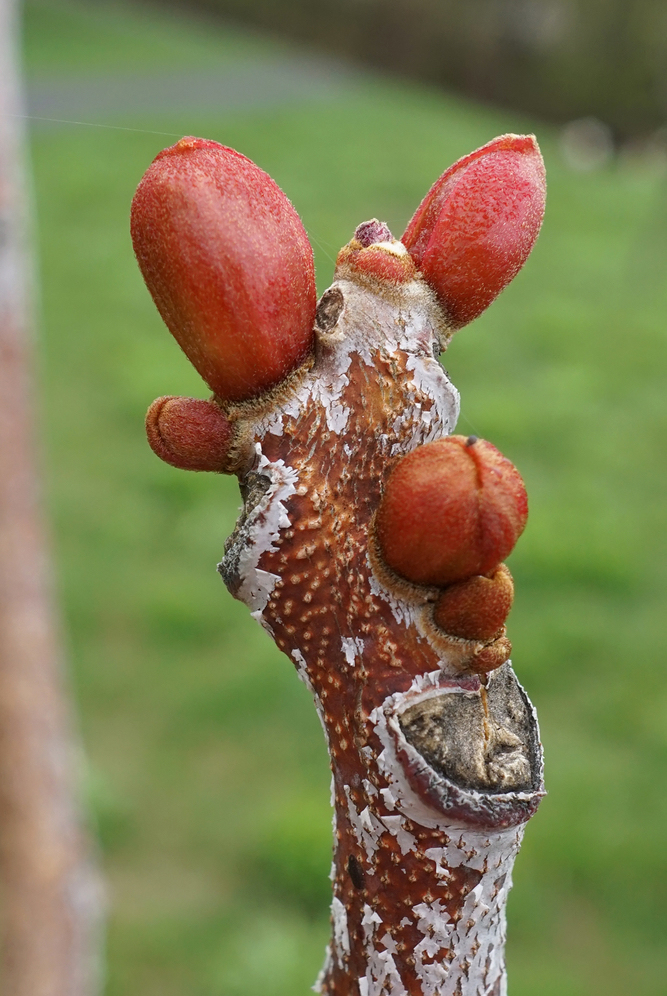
[450, 509]
[475, 228]
[476, 609]
[374, 252]
[491, 657]
[229, 265]
[189, 433]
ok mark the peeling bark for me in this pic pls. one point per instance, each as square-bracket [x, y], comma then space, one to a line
[435, 769]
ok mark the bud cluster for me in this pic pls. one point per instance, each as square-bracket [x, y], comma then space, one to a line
[451, 512]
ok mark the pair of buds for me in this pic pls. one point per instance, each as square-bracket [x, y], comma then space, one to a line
[230, 267]
[450, 513]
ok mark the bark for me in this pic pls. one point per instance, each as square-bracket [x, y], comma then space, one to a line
[435, 768]
[50, 890]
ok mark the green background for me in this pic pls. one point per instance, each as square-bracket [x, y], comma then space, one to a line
[208, 777]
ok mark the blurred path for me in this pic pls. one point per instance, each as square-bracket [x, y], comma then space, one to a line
[247, 84]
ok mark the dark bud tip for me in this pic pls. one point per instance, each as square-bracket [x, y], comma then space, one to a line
[368, 233]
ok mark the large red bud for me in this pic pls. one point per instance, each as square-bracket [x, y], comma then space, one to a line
[475, 228]
[229, 265]
[450, 509]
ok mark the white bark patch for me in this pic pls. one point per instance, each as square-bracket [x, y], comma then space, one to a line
[273, 423]
[341, 936]
[302, 671]
[389, 800]
[396, 826]
[430, 379]
[396, 248]
[351, 649]
[415, 427]
[404, 612]
[410, 321]
[263, 529]
[365, 825]
[481, 851]
[326, 968]
[382, 977]
[467, 958]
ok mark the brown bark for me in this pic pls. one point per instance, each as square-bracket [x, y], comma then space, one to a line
[435, 767]
[51, 895]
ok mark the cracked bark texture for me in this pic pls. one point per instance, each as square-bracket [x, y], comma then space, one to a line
[51, 897]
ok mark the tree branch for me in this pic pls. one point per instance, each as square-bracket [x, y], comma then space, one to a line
[371, 540]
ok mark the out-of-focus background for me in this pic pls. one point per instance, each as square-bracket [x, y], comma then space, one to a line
[208, 777]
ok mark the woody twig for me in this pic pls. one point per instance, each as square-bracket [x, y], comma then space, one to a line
[371, 541]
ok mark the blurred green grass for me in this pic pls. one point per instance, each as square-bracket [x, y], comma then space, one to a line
[208, 775]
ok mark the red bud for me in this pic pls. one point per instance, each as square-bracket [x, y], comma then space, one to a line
[475, 228]
[450, 509]
[373, 252]
[491, 657]
[188, 433]
[476, 609]
[229, 265]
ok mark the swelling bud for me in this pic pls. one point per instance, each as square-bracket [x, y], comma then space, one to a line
[189, 433]
[374, 255]
[476, 609]
[229, 266]
[476, 226]
[450, 509]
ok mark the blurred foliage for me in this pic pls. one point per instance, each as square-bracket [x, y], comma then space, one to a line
[560, 59]
[208, 773]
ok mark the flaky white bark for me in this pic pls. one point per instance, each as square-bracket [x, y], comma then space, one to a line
[435, 769]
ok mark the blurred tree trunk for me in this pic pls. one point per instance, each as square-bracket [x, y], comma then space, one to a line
[51, 896]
